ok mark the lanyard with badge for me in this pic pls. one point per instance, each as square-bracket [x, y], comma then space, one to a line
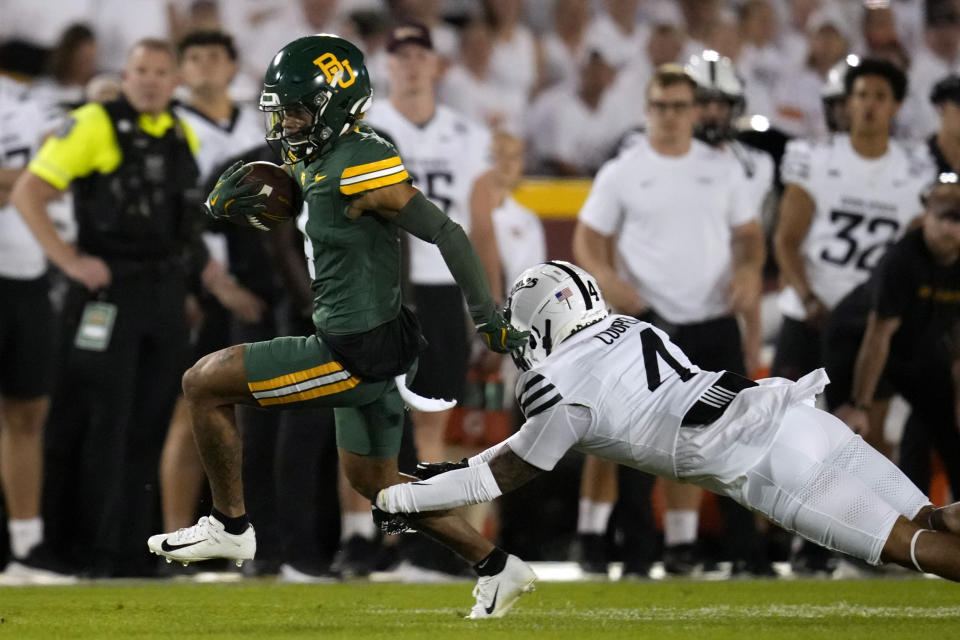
[96, 325]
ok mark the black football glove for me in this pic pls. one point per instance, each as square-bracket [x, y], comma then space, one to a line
[501, 336]
[231, 200]
[426, 470]
[391, 523]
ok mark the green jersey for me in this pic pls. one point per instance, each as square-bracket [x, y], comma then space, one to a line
[355, 262]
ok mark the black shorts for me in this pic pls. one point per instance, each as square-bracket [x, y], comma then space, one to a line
[799, 350]
[28, 338]
[442, 371]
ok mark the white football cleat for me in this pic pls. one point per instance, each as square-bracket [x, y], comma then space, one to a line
[496, 594]
[205, 540]
[22, 574]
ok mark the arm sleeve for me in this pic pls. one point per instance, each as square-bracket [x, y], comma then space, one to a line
[601, 211]
[487, 454]
[424, 220]
[472, 485]
[84, 144]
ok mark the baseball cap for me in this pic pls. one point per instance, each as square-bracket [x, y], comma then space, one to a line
[830, 16]
[409, 33]
[946, 89]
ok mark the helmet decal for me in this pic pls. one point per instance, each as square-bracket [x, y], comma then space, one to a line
[335, 70]
[577, 281]
[552, 301]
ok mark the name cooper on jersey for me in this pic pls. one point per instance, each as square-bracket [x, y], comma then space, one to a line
[616, 329]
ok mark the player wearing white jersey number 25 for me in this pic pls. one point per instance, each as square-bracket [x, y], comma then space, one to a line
[617, 388]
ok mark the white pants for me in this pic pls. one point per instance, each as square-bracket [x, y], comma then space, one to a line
[822, 481]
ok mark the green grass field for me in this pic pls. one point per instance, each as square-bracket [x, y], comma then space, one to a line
[847, 610]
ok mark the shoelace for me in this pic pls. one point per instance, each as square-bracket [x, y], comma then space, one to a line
[203, 528]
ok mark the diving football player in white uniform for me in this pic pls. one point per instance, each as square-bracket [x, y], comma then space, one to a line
[617, 388]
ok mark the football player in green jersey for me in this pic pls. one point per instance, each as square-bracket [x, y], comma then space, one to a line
[357, 199]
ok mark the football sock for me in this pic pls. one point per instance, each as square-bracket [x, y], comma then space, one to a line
[492, 564]
[593, 516]
[233, 526]
[357, 523]
[24, 536]
[680, 527]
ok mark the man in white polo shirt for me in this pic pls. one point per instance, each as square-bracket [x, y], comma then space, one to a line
[669, 232]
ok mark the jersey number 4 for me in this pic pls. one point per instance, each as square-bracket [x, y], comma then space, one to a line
[653, 348]
[848, 222]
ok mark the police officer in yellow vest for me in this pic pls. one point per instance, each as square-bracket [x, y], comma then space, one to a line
[130, 166]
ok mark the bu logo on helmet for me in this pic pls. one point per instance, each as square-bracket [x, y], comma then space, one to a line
[337, 72]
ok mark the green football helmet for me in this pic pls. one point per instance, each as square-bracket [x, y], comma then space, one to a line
[314, 91]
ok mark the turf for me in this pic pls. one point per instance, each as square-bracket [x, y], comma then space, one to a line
[914, 608]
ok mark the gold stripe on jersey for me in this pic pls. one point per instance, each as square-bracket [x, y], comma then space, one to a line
[370, 167]
[295, 377]
[376, 183]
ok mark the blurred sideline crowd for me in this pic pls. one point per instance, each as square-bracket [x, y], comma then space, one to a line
[774, 185]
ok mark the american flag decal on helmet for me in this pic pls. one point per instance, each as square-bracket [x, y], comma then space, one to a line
[563, 294]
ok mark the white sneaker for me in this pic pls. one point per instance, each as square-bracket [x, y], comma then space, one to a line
[19, 574]
[291, 575]
[496, 594]
[205, 540]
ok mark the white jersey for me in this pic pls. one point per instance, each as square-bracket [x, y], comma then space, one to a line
[636, 402]
[619, 390]
[759, 169]
[24, 124]
[444, 157]
[220, 141]
[555, 131]
[672, 218]
[862, 206]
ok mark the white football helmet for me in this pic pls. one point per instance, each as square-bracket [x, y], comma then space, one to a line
[716, 78]
[715, 73]
[833, 93]
[552, 301]
[833, 86]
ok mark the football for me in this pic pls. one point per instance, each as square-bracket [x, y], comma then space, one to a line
[284, 197]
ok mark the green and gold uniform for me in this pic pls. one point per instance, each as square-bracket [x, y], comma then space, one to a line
[364, 336]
